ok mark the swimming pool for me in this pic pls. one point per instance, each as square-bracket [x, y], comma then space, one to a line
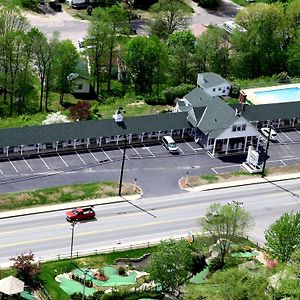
[274, 94]
[280, 95]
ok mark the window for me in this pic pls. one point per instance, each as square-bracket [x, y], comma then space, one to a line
[211, 141]
[238, 128]
[228, 88]
[219, 89]
[243, 127]
[214, 89]
[233, 128]
[80, 86]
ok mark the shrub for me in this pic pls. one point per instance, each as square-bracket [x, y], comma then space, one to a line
[122, 271]
[283, 77]
[235, 90]
[179, 91]
[81, 111]
[232, 262]
[55, 118]
[215, 264]
[198, 263]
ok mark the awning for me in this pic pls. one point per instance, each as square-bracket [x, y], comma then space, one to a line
[11, 285]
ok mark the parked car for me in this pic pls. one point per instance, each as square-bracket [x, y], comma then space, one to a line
[169, 144]
[273, 135]
[55, 5]
[80, 213]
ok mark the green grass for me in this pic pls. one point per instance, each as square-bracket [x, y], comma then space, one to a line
[50, 269]
[210, 178]
[63, 194]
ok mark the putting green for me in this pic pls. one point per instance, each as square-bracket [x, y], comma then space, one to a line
[244, 254]
[200, 277]
[70, 287]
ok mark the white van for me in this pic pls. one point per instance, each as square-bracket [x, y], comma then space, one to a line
[273, 135]
[169, 144]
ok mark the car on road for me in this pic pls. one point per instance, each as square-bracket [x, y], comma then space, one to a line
[273, 135]
[169, 144]
[55, 5]
[80, 213]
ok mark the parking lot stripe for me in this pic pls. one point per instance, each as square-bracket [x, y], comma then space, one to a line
[26, 162]
[106, 155]
[214, 171]
[287, 137]
[190, 145]
[122, 152]
[81, 158]
[180, 149]
[148, 150]
[94, 156]
[1, 172]
[13, 165]
[136, 152]
[283, 162]
[44, 162]
[63, 160]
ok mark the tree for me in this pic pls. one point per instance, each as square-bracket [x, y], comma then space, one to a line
[224, 223]
[212, 52]
[25, 267]
[144, 59]
[170, 264]
[169, 17]
[65, 62]
[181, 46]
[293, 62]
[283, 236]
[81, 111]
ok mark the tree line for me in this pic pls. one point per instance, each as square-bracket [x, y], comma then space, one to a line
[171, 55]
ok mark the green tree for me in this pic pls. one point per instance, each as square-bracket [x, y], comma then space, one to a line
[293, 62]
[237, 284]
[144, 59]
[170, 264]
[213, 52]
[264, 42]
[181, 46]
[169, 17]
[224, 223]
[283, 236]
[65, 62]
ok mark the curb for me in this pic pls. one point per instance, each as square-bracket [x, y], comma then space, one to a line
[238, 183]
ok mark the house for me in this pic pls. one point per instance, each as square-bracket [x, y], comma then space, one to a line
[213, 84]
[80, 82]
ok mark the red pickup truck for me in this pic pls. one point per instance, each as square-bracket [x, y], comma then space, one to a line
[80, 213]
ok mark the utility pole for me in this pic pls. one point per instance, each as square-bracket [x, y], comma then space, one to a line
[122, 167]
[266, 152]
[84, 279]
[72, 236]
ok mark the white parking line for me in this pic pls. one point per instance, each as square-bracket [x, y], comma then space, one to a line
[26, 162]
[136, 152]
[283, 163]
[287, 137]
[190, 145]
[94, 156]
[122, 152]
[180, 149]
[44, 162]
[214, 171]
[81, 158]
[1, 172]
[63, 160]
[297, 131]
[148, 150]
[106, 155]
[13, 165]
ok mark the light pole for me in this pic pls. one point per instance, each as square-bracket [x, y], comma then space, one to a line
[84, 279]
[72, 236]
[266, 153]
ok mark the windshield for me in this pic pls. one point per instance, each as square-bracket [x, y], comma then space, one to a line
[75, 211]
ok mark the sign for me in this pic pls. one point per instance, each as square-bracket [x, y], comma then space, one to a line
[252, 157]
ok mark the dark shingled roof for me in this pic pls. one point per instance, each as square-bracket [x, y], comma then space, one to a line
[271, 111]
[212, 79]
[217, 117]
[91, 129]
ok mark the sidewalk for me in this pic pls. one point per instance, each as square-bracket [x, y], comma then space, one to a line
[237, 183]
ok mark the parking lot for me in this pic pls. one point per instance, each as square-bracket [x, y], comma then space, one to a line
[57, 162]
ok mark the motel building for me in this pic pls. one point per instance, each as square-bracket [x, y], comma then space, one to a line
[202, 115]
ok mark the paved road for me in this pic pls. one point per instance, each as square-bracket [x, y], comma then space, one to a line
[122, 224]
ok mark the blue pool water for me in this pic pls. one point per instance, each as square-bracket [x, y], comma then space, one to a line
[280, 95]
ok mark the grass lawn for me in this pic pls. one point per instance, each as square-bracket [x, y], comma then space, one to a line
[50, 269]
[62, 194]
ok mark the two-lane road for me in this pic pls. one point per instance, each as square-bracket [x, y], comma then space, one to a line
[123, 224]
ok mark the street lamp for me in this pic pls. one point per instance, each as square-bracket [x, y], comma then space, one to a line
[266, 152]
[84, 279]
[72, 238]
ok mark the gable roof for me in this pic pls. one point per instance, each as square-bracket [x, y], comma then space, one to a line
[212, 79]
[216, 118]
[91, 129]
[272, 111]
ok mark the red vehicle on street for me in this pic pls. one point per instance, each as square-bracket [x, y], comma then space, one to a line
[80, 213]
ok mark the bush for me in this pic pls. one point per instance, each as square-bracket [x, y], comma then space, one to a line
[235, 90]
[179, 91]
[122, 271]
[215, 264]
[232, 262]
[198, 263]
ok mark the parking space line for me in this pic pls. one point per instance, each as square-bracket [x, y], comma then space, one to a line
[13, 165]
[26, 162]
[297, 131]
[80, 158]
[214, 171]
[136, 152]
[63, 160]
[94, 156]
[190, 145]
[287, 137]
[44, 162]
[283, 162]
[106, 155]
[1, 172]
[180, 149]
[123, 152]
[149, 150]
